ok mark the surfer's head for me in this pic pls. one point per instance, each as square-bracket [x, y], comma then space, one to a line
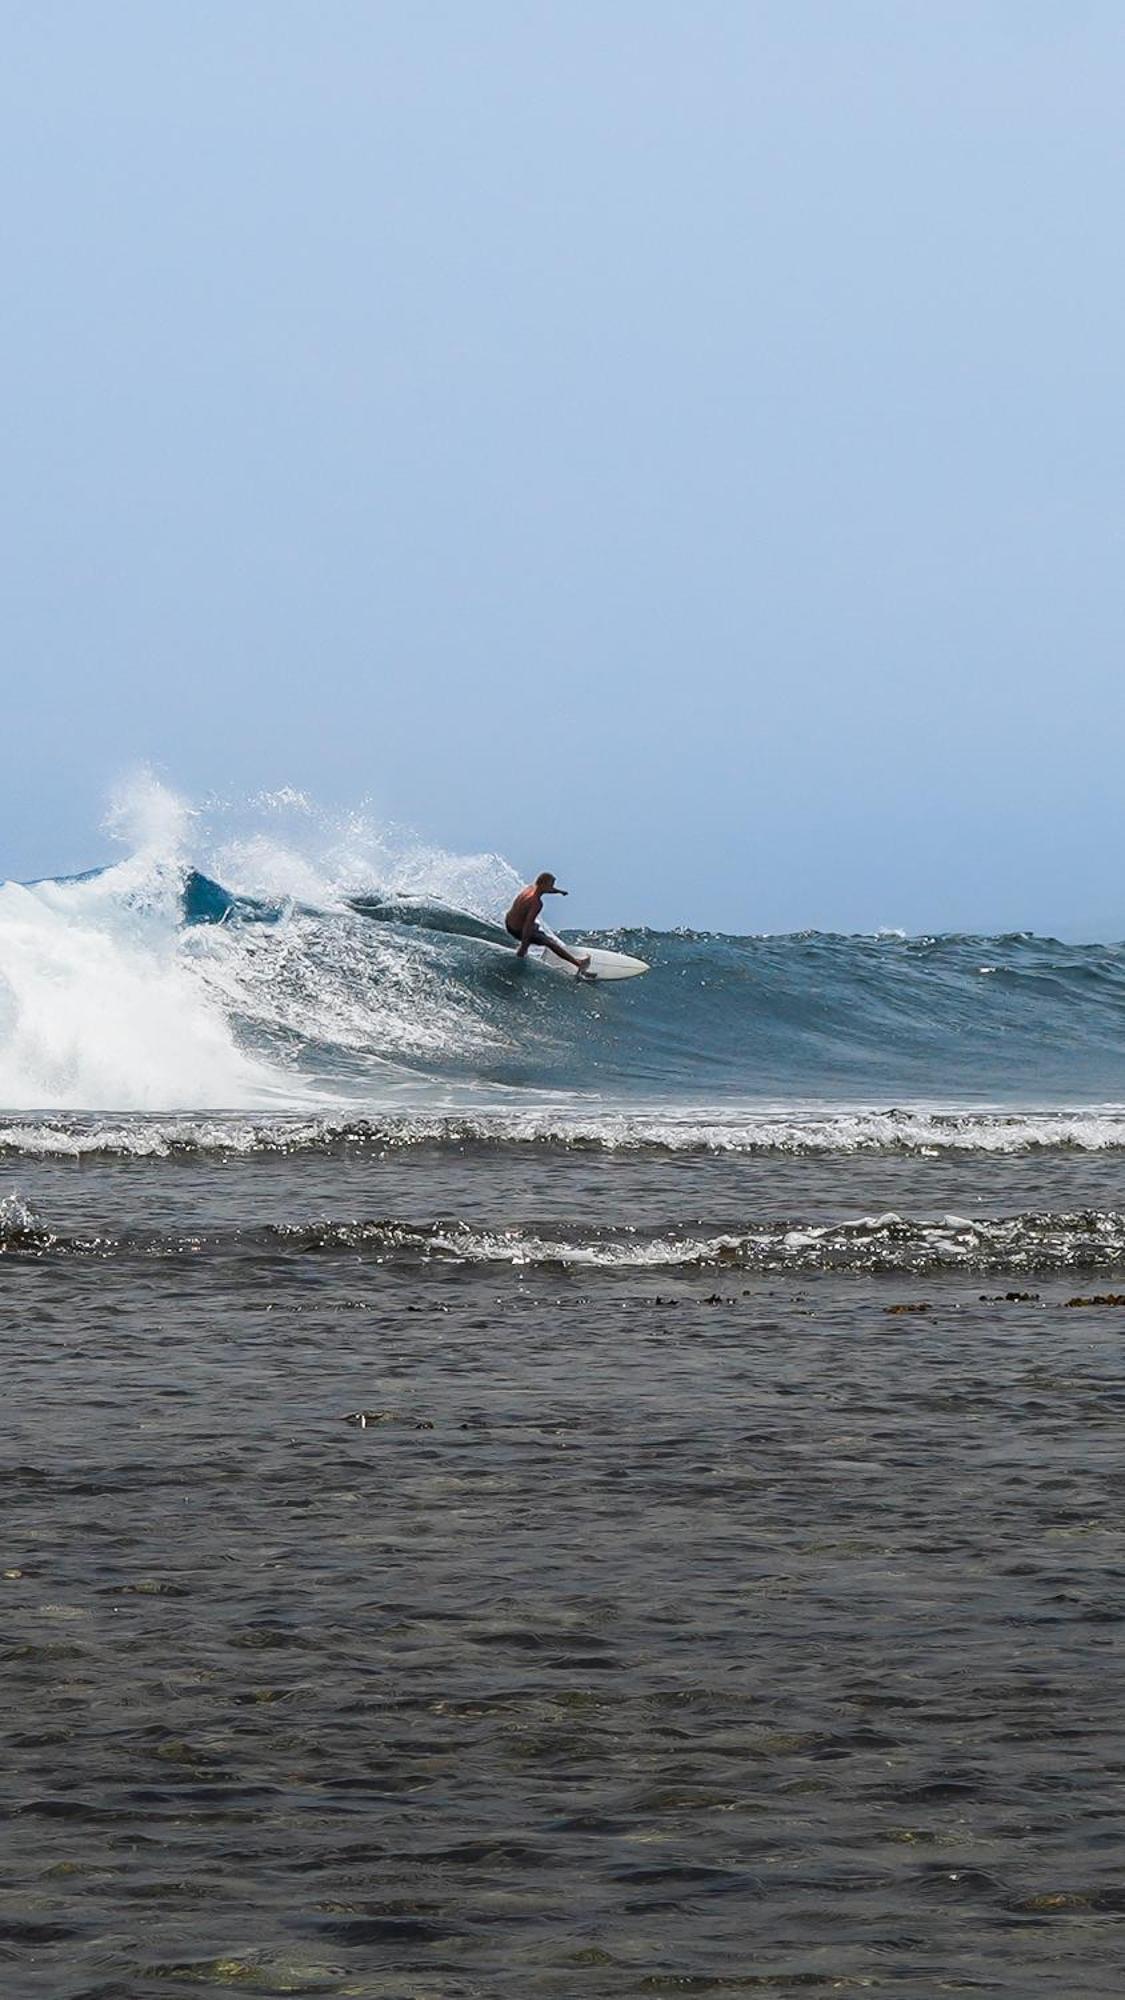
[547, 886]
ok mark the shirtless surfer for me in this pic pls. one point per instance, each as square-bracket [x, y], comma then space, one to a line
[521, 923]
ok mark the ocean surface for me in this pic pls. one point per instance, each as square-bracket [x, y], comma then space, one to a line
[515, 1489]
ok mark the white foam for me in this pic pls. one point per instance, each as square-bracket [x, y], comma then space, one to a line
[1094, 1131]
[378, 998]
[98, 1010]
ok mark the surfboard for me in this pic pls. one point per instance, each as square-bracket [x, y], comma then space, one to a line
[603, 964]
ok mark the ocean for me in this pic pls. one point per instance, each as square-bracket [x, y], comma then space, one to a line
[516, 1489]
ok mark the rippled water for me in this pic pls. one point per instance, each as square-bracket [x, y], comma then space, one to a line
[681, 1626]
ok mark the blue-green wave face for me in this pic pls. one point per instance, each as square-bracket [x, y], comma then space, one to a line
[797, 1017]
[156, 987]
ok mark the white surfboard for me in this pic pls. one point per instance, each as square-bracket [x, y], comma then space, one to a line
[603, 964]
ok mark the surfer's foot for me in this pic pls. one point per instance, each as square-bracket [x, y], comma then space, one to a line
[583, 965]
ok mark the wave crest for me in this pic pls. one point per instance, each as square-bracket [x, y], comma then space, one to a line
[812, 1135]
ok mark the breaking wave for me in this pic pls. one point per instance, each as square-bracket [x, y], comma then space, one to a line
[919, 1134]
[278, 979]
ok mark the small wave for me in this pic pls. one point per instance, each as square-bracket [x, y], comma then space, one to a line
[24, 1234]
[1089, 1240]
[701, 1131]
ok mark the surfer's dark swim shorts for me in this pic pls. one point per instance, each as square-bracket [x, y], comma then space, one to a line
[535, 938]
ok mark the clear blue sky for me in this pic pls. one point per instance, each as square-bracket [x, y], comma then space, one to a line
[681, 445]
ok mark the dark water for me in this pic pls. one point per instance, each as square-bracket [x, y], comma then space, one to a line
[684, 1620]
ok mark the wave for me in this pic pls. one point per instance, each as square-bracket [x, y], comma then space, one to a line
[1086, 1241]
[361, 980]
[1080, 1241]
[812, 1135]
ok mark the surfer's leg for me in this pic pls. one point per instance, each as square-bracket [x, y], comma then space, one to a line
[561, 951]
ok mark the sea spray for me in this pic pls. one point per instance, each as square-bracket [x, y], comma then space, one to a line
[283, 845]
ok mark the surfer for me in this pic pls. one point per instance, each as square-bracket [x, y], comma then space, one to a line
[521, 923]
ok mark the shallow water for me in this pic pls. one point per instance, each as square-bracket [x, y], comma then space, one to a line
[680, 1629]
